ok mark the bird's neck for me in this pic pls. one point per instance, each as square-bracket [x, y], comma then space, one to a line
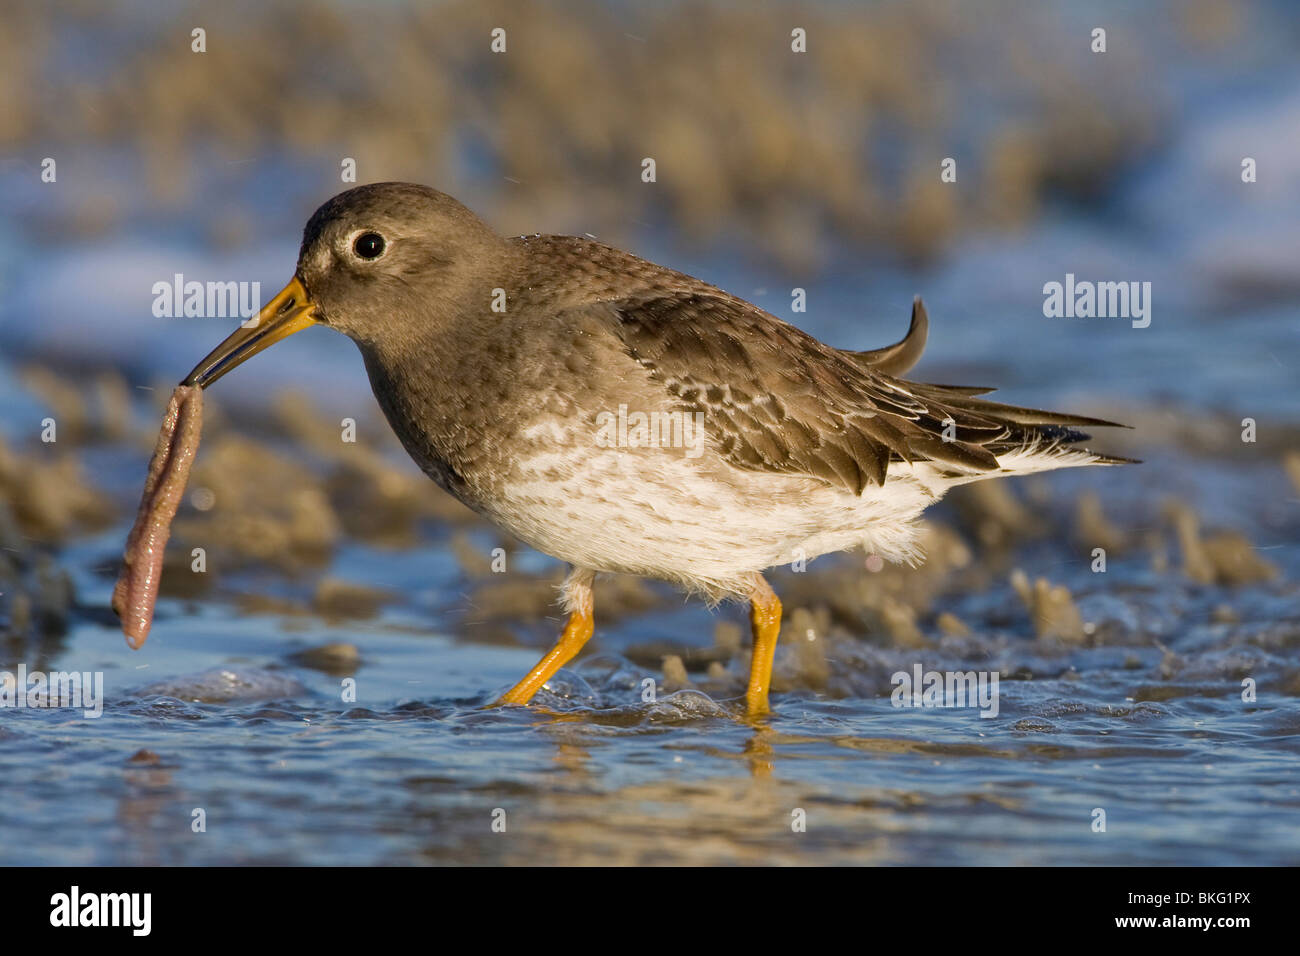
[443, 390]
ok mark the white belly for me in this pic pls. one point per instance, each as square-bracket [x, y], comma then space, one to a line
[699, 522]
[707, 525]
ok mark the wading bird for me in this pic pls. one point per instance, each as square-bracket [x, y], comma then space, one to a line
[494, 360]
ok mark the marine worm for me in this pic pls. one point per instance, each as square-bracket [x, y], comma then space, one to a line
[136, 591]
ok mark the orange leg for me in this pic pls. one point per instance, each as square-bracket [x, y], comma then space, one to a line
[576, 633]
[765, 620]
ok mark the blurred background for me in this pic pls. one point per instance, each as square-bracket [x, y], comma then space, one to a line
[775, 170]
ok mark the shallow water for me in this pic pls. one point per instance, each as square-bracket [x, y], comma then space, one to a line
[220, 712]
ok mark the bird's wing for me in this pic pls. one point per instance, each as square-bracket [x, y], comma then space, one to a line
[776, 399]
[898, 358]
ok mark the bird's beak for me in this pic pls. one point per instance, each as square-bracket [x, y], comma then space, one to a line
[290, 311]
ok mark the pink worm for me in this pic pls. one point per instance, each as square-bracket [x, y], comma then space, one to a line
[136, 592]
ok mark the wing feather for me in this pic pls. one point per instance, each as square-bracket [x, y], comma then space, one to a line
[777, 399]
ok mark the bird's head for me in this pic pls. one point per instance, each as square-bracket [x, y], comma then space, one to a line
[371, 257]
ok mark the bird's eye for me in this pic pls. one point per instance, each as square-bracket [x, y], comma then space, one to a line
[369, 245]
